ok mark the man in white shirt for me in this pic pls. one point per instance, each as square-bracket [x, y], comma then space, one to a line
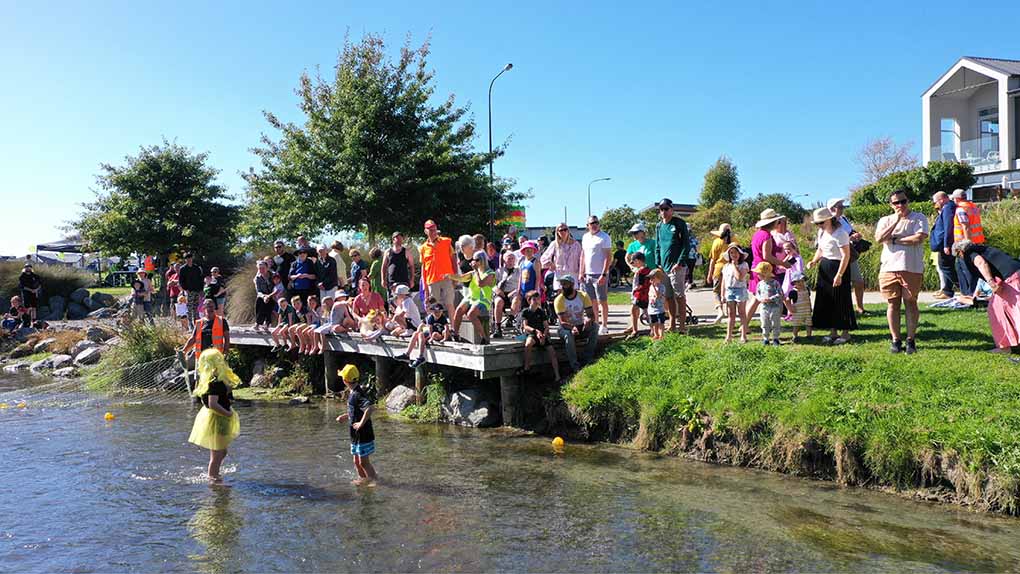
[902, 235]
[596, 257]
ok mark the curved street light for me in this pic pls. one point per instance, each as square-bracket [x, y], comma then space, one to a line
[492, 200]
[589, 191]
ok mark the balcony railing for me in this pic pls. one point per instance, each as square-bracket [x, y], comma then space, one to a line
[982, 154]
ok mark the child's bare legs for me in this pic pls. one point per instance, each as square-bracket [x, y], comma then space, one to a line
[366, 472]
[789, 306]
[472, 315]
[553, 360]
[215, 461]
[635, 312]
[528, 344]
[745, 320]
[731, 306]
[292, 335]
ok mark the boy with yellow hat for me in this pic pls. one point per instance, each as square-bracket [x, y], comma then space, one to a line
[770, 294]
[359, 411]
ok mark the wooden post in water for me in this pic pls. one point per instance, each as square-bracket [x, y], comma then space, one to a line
[510, 397]
[419, 384]
[333, 385]
[382, 374]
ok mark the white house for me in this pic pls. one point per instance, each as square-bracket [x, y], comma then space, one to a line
[971, 114]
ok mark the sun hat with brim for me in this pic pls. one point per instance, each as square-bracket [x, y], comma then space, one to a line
[722, 229]
[763, 268]
[726, 254]
[529, 245]
[835, 201]
[768, 216]
[638, 227]
[821, 215]
[401, 289]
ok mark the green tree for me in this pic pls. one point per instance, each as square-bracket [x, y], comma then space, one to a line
[618, 221]
[721, 183]
[372, 153]
[746, 212]
[707, 219]
[920, 183]
[161, 201]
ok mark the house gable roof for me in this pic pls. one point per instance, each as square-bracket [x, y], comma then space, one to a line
[996, 68]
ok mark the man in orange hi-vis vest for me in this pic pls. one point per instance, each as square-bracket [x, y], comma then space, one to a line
[210, 331]
[966, 225]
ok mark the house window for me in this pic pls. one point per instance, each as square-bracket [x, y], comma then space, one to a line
[949, 139]
[988, 128]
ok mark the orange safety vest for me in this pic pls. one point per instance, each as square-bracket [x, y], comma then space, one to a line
[975, 231]
[217, 334]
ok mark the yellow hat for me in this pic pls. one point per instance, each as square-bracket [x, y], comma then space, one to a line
[349, 373]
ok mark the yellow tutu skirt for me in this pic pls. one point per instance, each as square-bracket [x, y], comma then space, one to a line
[213, 430]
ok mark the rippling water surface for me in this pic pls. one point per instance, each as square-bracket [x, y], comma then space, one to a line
[79, 494]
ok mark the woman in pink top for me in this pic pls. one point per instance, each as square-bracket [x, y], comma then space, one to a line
[367, 300]
[764, 248]
[563, 255]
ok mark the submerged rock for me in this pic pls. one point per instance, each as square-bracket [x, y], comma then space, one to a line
[16, 368]
[66, 372]
[469, 408]
[399, 399]
[299, 401]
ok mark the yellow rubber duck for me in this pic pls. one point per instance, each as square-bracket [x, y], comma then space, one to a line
[109, 416]
[3, 405]
[557, 444]
[22, 405]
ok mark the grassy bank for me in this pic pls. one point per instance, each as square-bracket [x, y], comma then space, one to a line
[946, 419]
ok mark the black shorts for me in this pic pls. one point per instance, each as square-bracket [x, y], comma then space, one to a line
[639, 304]
[29, 299]
[538, 343]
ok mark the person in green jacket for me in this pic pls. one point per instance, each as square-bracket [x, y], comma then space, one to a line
[375, 273]
[673, 251]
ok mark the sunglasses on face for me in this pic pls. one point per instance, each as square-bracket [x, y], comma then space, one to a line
[899, 202]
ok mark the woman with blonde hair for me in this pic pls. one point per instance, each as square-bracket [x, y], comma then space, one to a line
[216, 425]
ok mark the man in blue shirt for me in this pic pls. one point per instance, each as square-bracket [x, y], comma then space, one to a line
[941, 240]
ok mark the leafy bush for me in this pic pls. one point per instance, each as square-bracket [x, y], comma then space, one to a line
[431, 410]
[140, 343]
[1001, 222]
[920, 183]
[56, 280]
[747, 211]
[871, 213]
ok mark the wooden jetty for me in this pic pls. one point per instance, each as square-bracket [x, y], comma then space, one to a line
[501, 359]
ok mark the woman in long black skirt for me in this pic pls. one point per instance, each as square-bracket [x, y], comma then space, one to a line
[833, 296]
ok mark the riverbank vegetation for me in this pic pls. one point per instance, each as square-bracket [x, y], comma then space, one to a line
[140, 343]
[946, 420]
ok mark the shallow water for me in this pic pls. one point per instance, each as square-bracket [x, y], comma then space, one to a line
[81, 494]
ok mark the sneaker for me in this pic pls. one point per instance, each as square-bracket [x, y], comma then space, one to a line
[941, 296]
[841, 341]
[498, 333]
[603, 330]
[827, 340]
[401, 357]
[766, 342]
[776, 342]
[896, 346]
[911, 347]
[417, 363]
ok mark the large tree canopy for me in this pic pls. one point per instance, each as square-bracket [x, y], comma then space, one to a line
[159, 202]
[372, 154]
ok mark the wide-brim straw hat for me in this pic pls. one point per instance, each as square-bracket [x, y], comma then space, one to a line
[763, 268]
[821, 215]
[768, 216]
[722, 229]
[726, 254]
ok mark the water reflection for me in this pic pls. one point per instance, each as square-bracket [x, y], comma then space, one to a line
[217, 527]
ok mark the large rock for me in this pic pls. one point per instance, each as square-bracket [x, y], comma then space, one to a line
[469, 408]
[61, 361]
[103, 299]
[22, 350]
[22, 334]
[57, 305]
[165, 379]
[261, 381]
[76, 311]
[91, 304]
[81, 346]
[88, 356]
[79, 295]
[16, 368]
[399, 399]
[44, 345]
[66, 372]
[98, 334]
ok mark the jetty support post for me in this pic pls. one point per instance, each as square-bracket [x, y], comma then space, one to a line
[510, 398]
[382, 374]
[333, 385]
[420, 380]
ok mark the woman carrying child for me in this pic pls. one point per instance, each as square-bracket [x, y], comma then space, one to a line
[735, 274]
[216, 425]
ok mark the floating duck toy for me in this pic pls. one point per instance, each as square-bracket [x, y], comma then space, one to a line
[557, 444]
[109, 416]
[3, 405]
[22, 405]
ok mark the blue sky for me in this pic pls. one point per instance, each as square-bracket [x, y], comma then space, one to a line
[648, 94]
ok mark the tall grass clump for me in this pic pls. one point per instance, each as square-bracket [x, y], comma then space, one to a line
[948, 416]
[56, 279]
[1001, 222]
[140, 343]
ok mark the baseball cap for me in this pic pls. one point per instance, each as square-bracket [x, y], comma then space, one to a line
[401, 289]
[637, 227]
[568, 278]
[835, 201]
[958, 194]
[666, 203]
[429, 224]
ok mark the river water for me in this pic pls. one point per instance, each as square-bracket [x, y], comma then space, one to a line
[80, 494]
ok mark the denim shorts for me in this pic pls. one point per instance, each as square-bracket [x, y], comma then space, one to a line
[656, 318]
[736, 294]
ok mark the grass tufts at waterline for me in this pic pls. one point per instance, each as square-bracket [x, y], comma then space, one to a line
[948, 417]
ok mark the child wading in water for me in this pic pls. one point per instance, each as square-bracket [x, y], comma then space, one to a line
[734, 290]
[770, 294]
[216, 425]
[359, 412]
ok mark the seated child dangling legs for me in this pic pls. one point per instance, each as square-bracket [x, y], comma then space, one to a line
[358, 415]
[325, 327]
[436, 329]
[313, 320]
[287, 317]
[770, 296]
[734, 291]
[301, 314]
[535, 323]
[656, 304]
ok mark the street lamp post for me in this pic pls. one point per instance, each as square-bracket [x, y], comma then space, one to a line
[492, 200]
[589, 191]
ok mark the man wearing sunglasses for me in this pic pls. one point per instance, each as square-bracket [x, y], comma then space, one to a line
[902, 235]
[674, 244]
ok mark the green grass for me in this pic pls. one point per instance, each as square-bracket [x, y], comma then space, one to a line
[118, 292]
[947, 416]
[619, 297]
[34, 357]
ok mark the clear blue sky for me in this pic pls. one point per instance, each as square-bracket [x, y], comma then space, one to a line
[648, 94]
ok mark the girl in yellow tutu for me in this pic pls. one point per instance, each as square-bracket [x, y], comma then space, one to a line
[216, 425]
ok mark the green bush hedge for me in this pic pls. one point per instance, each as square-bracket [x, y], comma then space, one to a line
[56, 280]
[920, 183]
